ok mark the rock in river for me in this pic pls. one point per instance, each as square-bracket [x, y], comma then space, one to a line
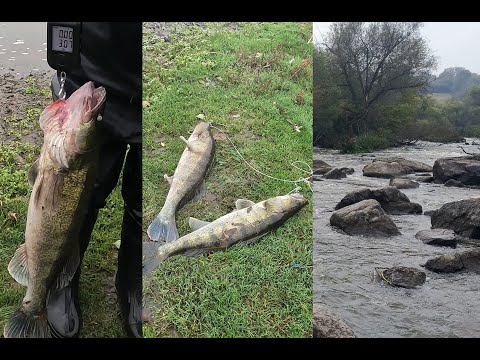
[337, 173]
[390, 167]
[465, 169]
[438, 237]
[462, 216]
[327, 325]
[404, 184]
[448, 263]
[384, 170]
[320, 167]
[406, 277]
[364, 218]
[392, 200]
[453, 183]
[415, 166]
[424, 179]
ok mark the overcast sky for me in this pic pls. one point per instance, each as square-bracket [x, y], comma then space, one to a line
[454, 43]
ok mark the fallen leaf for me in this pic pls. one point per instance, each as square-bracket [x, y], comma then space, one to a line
[12, 216]
[162, 144]
[297, 128]
[292, 60]
[258, 55]
[145, 103]
[235, 116]
[117, 244]
[200, 117]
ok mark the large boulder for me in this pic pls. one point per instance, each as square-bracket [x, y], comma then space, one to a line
[468, 260]
[327, 325]
[320, 167]
[438, 237]
[392, 200]
[364, 218]
[406, 277]
[415, 166]
[393, 166]
[462, 216]
[465, 169]
[386, 170]
[404, 184]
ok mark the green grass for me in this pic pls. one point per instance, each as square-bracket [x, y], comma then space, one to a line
[255, 83]
[99, 308]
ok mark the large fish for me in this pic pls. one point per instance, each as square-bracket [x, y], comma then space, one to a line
[62, 180]
[249, 222]
[186, 184]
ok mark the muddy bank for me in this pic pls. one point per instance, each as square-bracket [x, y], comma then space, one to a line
[21, 99]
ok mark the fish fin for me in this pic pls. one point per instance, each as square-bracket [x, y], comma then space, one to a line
[150, 258]
[17, 267]
[69, 270]
[189, 146]
[150, 265]
[168, 178]
[23, 324]
[196, 252]
[243, 203]
[196, 224]
[163, 229]
[33, 173]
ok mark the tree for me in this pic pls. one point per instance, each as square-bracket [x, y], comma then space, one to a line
[373, 60]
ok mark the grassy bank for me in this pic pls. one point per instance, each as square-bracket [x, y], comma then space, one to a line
[254, 80]
[21, 139]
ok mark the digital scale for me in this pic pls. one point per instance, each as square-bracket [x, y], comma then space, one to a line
[63, 45]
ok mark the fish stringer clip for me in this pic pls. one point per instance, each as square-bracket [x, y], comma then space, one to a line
[61, 93]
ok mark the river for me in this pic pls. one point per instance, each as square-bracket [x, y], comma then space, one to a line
[445, 306]
[23, 47]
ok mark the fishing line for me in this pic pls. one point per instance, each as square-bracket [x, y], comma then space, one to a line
[304, 180]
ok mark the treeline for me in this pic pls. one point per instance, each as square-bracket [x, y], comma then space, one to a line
[371, 85]
[455, 81]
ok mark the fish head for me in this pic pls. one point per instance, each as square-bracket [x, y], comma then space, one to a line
[69, 124]
[202, 130]
[286, 204]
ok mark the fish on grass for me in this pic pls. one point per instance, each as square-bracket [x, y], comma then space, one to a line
[61, 179]
[247, 223]
[186, 184]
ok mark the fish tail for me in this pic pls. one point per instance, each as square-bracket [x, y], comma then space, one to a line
[163, 227]
[153, 262]
[26, 324]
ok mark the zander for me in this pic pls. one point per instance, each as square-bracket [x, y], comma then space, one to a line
[186, 184]
[249, 222]
[62, 180]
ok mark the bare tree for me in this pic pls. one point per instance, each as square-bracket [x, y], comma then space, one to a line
[375, 59]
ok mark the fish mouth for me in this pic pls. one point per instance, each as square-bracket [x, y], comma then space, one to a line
[92, 103]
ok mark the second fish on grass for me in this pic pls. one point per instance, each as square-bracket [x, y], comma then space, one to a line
[186, 184]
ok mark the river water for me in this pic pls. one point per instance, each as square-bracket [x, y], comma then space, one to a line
[23, 47]
[445, 306]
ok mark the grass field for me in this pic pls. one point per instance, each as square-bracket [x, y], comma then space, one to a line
[21, 141]
[254, 80]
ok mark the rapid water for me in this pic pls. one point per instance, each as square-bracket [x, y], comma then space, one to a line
[447, 305]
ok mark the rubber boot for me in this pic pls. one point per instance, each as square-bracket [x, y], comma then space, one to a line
[128, 280]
